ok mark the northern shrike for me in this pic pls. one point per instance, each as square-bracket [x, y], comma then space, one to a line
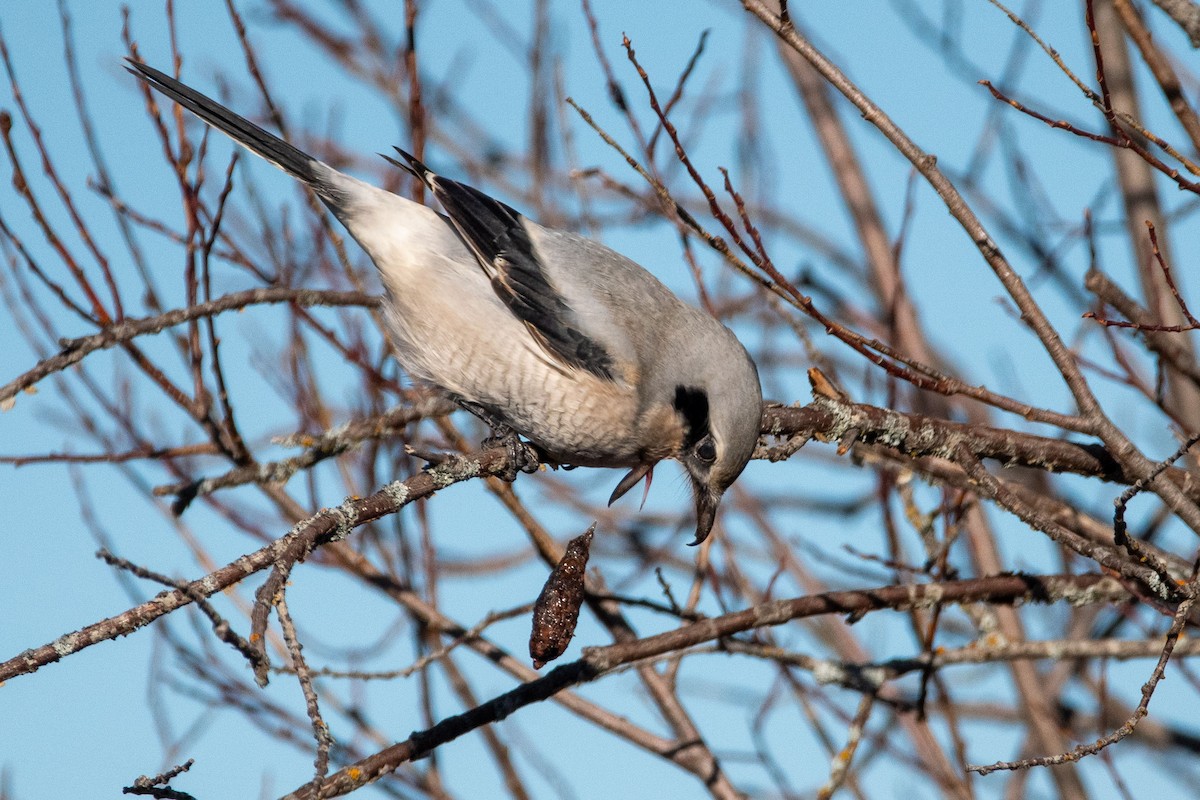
[567, 342]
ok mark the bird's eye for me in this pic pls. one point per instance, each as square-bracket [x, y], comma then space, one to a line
[706, 451]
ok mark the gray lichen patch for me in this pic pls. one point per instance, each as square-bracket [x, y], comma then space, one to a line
[453, 470]
[397, 492]
[1105, 590]
[883, 427]
[66, 644]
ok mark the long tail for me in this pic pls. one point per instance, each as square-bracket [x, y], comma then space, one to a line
[267, 145]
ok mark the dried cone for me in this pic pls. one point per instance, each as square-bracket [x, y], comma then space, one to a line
[556, 611]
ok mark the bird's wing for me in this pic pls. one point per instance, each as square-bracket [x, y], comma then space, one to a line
[497, 236]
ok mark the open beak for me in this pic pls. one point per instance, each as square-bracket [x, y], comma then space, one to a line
[631, 480]
[706, 513]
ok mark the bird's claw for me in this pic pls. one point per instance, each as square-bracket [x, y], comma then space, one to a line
[522, 456]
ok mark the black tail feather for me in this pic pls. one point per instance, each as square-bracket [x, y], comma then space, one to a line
[397, 164]
[267, 145]
[414, 166]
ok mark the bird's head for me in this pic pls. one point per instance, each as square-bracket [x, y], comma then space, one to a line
[721, 421]
[704, 382]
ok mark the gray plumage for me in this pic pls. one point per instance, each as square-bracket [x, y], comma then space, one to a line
[571, 344]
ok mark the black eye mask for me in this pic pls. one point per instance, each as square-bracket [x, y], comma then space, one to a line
[692, 405]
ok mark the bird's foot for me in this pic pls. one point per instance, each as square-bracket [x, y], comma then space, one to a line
[522, 456]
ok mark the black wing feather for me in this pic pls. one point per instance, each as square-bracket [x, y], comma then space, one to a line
[495, 234]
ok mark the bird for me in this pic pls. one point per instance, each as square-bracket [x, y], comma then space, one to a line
[542, 332]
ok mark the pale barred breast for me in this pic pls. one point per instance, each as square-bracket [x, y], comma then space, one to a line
[575, 417]
[450, 329]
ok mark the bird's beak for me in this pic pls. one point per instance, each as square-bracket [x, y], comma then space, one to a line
[631, 480]
[706, 512]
